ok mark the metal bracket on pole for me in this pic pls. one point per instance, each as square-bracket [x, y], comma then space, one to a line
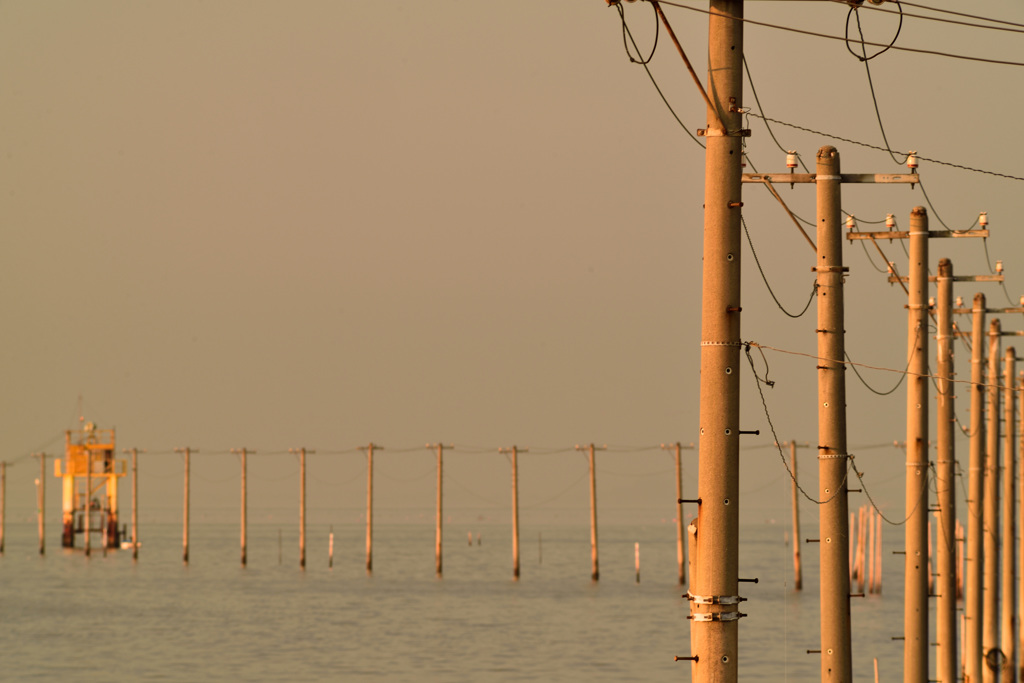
[715, 133]
[714, 599]
[718, 616]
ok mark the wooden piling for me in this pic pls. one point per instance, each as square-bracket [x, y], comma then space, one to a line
[369, 507]
[636, 555]
[184, 517]
[330, 549]
[244, 452]
[798, 573]
[878, 553]
[3, 502]
[41, 502]
[871, 550]
[88, 503]
[861, 547]
[135, 505]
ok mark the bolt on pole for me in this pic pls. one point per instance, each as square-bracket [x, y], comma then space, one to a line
[915, 603]
[833, 458]
[945, 482]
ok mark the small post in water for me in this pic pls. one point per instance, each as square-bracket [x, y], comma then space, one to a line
[330, 549]
[636, 555]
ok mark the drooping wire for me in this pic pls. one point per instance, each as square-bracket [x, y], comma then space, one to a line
[865, 58]
[625, 31]
[814, 289]
[664, 99]
[871, 500]
[871, 83]
[778, 444]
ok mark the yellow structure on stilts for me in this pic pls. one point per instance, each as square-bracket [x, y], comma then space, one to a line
[90, 475]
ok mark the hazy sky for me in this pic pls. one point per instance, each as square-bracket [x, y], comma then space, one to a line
[272, 225]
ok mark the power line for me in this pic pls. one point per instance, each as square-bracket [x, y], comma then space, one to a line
[962, 14]
[937, 53]
[939, 19]
[883, 149]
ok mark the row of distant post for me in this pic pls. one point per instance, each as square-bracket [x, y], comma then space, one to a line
[439, 447]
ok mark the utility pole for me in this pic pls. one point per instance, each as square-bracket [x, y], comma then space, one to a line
[1009, 557]
[975, 488]
[1020, 526]
[680, 537]
[302, 503]
[440, 491]
[514, 452]
[915, 606]
[714, 604]
[990, 627]
[833, 458]
[590, 448]
[184, 533]
[369, 505]
[243, 452]
[945, 482]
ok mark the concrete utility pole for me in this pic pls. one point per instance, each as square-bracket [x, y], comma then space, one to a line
[514, 452]
[1009, 557]
[833, 458]
[302, 503]
[915, 606]
[184, 532]
[945, 482]
[369, 505]
[975, 487]
[681, 542]
[590, 448]
[243, 452]
[990, 627]
[440, 491]
[1020, 526]
[714, 601]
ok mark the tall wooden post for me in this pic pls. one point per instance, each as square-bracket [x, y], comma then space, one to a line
[945, 482]
[1009, 514]
[302, 503]
[990, 589]
[438, 564]
[3, 502]
[184, 532]
[41, 502]
[88, 503]
[595, 574]
[973, 602]
[135, 504]
[798, 572]
[915, 604]
[369, 506]
[833, 458]
[243, 452]
[514, 452]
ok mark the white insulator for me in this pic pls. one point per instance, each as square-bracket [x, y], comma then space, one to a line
[850, 224]
[890, 220]
[983, 219]
[999, 266]
[931, 301]
[959, 302]
[1022, 302]
[791, 159]
[912, 159]
[890, 268]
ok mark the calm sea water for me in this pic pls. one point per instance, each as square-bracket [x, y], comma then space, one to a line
[107, 618]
